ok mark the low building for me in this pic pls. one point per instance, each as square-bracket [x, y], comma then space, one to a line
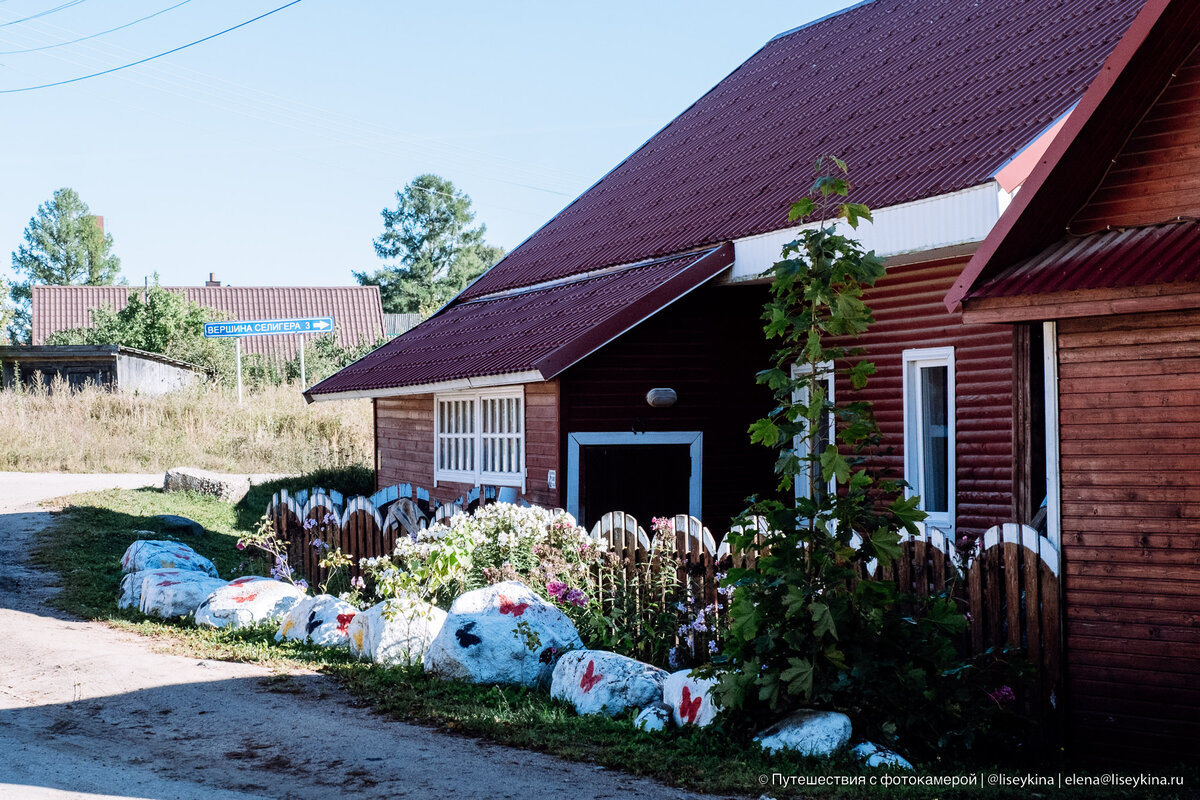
[123, 369]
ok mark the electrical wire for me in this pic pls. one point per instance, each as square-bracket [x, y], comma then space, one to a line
[41, 14]
[94, 35]
[148, 58]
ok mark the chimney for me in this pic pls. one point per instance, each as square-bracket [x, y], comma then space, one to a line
[211, 282]
[99, 223]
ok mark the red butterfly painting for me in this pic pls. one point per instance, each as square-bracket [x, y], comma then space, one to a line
[590, 678]
[246, 598]
[689, 707]
[509, 607]
[168, 583]
[344, 622]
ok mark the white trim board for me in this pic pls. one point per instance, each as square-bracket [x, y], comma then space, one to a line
[694, 439]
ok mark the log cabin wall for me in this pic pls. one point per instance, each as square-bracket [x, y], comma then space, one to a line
[404, 439]
[909, 313]
[1129, 415]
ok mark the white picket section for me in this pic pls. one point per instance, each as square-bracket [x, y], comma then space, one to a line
[615, 525]
[357, 504]
[699, 538]
[1012, 533]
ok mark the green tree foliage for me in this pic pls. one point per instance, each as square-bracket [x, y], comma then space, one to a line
[809, 626]
[432, 249]
[323, 356]
[159, 322]
[64, 245]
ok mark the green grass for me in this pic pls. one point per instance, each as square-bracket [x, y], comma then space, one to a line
[88, 538]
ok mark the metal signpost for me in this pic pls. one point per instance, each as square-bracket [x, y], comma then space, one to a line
[267, 327]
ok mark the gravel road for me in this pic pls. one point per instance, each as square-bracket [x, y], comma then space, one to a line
[91, 712]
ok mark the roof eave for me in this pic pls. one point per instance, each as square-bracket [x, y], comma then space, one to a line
[456, 385]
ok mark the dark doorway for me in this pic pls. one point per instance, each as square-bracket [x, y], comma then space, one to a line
[645, 480]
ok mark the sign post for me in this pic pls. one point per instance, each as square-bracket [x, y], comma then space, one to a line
[267, 327]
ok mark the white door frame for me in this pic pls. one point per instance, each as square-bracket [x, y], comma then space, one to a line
[694, 440]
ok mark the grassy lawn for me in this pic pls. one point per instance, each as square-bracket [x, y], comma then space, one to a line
[85, 545]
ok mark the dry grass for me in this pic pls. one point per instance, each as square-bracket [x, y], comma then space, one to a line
[92, 430]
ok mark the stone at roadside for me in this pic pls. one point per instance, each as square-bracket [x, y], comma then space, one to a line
[176, 595]
[323, 620]
[501, 634]
[230, 488]
[175, 525]
[395, 632]
[130, 595]
[807, 732]
[655, 717]
[872, 755]
[690, 698]
[246, 602]
[598, 682]
[161, 554]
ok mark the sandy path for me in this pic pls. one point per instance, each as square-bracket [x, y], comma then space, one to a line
[88, 711]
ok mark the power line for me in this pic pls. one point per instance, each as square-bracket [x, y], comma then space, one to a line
[40, 14]
[94, 35]
[148, 58]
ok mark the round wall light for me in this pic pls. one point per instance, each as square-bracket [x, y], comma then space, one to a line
[661, 398]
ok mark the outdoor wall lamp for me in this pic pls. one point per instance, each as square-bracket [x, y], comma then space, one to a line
[661, 398]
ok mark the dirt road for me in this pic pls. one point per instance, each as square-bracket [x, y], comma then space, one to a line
[87, 711]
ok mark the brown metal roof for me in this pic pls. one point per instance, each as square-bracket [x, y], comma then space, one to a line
[356, 310]
[1107, 260]
[542, 329]
[921, 97]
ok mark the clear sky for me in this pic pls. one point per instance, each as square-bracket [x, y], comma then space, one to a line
[265, 155]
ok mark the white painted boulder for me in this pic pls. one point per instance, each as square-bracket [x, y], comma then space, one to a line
[246, 602]
[230, 488]
[690, 698]
[130, 595]
[147, 554]
[501, 634]
[598, 682]
[807, 732]
[655, 717]
[179, 595]
[872, 755]
[323, 620]
[396, 632]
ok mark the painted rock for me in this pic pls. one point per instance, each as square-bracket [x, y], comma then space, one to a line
[323, 620]
[130, 595]
[176, 595]
[395, 632]
[872, 755]
[808, 732]
[501, 634]
[690, 698]
[597, 682]
[655, 717]
[248, 601]
[157, 554]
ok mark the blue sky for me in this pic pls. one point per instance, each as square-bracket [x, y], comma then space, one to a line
[265, 155]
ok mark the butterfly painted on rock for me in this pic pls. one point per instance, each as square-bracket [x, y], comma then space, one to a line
[168, 583]
[343, 621]
[509, 607]
[465, 637]
[590, 677]
[689, 706]
[313, 623]
[246, 598]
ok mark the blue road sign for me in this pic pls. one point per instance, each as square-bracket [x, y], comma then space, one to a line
[269, 327]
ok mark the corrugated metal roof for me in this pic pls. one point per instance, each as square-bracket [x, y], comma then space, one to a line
[542, 329]
[921, 97]
[1106, 260]
[356, 310]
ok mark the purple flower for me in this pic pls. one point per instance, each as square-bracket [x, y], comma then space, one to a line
[317, 543]
[309, 524]
[241, 545]
[302, 585]
[358, 582]
[556, 589]
[1002, 696]
[576, 597]
[328, 519]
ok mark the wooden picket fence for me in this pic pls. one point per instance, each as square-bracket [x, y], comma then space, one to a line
[1007, 586]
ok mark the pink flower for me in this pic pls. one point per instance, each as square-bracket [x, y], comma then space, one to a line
[1002, 696]
[241, 545]
[556, 589]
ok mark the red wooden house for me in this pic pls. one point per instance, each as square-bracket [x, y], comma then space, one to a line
[1101, 251]
[537, 376]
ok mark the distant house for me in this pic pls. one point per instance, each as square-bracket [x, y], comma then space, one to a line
[356, 310]
[537, 375]
[1101, 252]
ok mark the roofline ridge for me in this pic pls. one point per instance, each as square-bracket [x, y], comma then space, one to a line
[819, 20]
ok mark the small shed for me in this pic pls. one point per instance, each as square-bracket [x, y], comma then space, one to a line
[124, 369]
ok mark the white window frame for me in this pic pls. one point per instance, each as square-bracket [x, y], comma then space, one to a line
[825, 373]
[914, 361]
[477, 475]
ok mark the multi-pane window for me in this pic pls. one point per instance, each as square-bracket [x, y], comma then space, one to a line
[825, 430]
[480, 437]
[929, 432]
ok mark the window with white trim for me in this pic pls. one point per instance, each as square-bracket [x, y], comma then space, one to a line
[480, 437]
[929, 432]
[825, 436]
